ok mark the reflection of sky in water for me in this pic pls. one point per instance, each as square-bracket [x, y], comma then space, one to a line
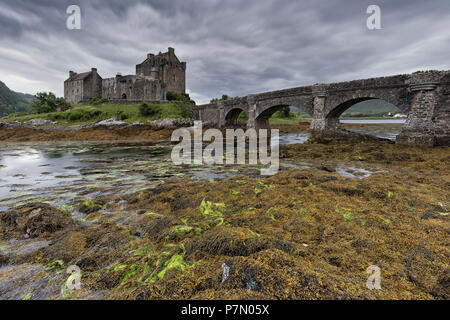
[374, 121]
[30, 168]
[292, 138]
[352, 172]
[60, 174]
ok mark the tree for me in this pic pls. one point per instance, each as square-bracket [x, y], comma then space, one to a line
[285, 112]
[184, 97]
[224, 98]
[47, 102]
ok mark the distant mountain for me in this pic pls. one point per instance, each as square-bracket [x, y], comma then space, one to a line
[11, 101]
[372, 108]
[365, 108]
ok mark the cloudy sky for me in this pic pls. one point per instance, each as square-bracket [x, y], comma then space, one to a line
[236, 47]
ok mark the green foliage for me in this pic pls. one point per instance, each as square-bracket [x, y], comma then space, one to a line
[13, 102]
[256, 190]
[348, 217]
[129, 113]
[27, 296]
[223, 98]
[269, 214]
[285, 112]
[209, 209]
[76, 115]
[122, 115]
[98, 101]
[175, 262]
[47, 102]
[371, 108]
[183, 97]
[155, 111]
[149, 110]
[56, 265]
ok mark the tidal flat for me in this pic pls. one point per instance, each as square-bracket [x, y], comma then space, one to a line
[139, 227]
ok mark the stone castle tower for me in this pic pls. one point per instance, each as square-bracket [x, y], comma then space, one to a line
[155, 76]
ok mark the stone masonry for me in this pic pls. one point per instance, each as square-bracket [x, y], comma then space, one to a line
[155, 76]
[423, 96]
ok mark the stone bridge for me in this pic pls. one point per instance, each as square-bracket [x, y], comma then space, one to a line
[423, 96]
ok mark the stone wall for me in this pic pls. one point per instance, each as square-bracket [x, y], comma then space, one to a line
[166, 68]
[133, 88]
[73, 91]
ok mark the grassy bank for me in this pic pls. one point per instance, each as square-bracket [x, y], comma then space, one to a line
[87, 113]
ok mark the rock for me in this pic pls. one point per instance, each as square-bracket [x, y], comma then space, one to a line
[225, 271]
[40, 122]
[12, 124]
[327, 168]
[250, 284]
[32, 220]
[108, 123]
[301, 177]
[442, 287]
[429, 214]
[172, 123]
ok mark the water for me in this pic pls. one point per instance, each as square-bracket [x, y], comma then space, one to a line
[373, 121]
[293, 138]
[62, 175]
[380, 128]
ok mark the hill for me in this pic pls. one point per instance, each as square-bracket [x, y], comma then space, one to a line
[371, 108]
[11, 102]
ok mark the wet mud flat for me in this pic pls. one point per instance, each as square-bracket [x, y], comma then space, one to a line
[140, 229]
[133, 133]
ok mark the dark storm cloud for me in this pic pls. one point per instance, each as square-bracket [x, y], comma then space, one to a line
[234, 47]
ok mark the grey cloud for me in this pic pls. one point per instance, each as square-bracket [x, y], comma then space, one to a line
[235, 47]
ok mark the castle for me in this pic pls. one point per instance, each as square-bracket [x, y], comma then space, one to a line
[155, 76]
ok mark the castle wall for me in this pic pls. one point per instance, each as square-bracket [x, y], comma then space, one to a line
[133, 88]
[92, 86]
[73, 91]
[166, 68]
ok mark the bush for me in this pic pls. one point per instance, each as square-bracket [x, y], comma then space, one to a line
[285, 112]
[98, 101]
[183, 97]
[224, 98]
[121, 115]
[149, 110]
[82, 115]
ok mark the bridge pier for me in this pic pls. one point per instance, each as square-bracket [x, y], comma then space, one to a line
[424, 126]
[254, 122]
[321, 123]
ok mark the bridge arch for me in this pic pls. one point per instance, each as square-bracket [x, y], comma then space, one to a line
[338, 104]
[232, 116]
